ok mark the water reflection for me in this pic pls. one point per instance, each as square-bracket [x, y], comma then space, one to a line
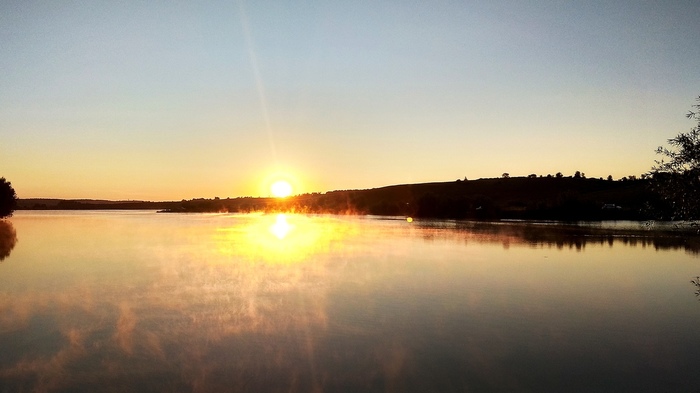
[284, 238]
[281, 227]
[224, 303]
[557, 235]
[8, 239]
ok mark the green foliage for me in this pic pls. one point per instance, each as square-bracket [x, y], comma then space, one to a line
[8, 198]
[676, 177]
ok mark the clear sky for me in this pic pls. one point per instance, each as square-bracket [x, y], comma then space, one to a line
[169, 100]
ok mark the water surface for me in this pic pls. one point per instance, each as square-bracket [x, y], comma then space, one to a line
[139, 301]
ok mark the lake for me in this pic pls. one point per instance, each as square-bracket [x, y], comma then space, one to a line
[139, 301]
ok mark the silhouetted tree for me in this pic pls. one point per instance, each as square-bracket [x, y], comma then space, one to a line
[610, 178]
[676, 177]
[8, 198]
[577, 175]
[505, 175]
[559, 175]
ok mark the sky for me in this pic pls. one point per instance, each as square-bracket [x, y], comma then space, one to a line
[170, 100]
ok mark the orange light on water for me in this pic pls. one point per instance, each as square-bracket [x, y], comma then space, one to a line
[283, 238]
[281, 227]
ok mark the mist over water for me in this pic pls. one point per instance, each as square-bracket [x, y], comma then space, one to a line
[138, 301]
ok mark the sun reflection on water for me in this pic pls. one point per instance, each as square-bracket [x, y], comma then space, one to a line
[281, 227]
[306, 303]
[283, 238]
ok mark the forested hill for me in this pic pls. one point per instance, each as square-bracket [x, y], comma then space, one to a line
[527, 198]
[563, 198]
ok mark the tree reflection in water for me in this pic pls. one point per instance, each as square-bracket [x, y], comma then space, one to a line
[134, 302]
[560, 235]
[8, 239]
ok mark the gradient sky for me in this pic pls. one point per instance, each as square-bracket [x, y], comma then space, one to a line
[169, 100]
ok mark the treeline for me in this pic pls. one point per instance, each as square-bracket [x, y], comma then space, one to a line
[90, 204]
[552, 198]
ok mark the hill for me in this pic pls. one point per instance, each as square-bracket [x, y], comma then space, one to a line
[524, 198]
[563, 198]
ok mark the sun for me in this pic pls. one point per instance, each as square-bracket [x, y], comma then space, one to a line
[281, 189]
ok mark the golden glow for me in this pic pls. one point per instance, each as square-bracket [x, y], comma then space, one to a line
[281, 227]
[268, 178]
[281, 189]
[284, 238]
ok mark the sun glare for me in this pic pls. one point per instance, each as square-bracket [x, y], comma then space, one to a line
[281, 189]
[281, 227]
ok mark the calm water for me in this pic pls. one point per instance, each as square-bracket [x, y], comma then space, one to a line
[139, 301]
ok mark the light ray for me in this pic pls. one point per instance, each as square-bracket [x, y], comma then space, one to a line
[258, 78]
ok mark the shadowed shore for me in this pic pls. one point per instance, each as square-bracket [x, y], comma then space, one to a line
[549, 198]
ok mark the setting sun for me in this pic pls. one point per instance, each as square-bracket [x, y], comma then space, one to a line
[281, 189]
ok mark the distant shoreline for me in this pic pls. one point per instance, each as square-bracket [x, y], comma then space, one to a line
[528, 198]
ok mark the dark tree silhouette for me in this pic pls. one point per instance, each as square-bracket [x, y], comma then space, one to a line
[676, 177]
[8, 198]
